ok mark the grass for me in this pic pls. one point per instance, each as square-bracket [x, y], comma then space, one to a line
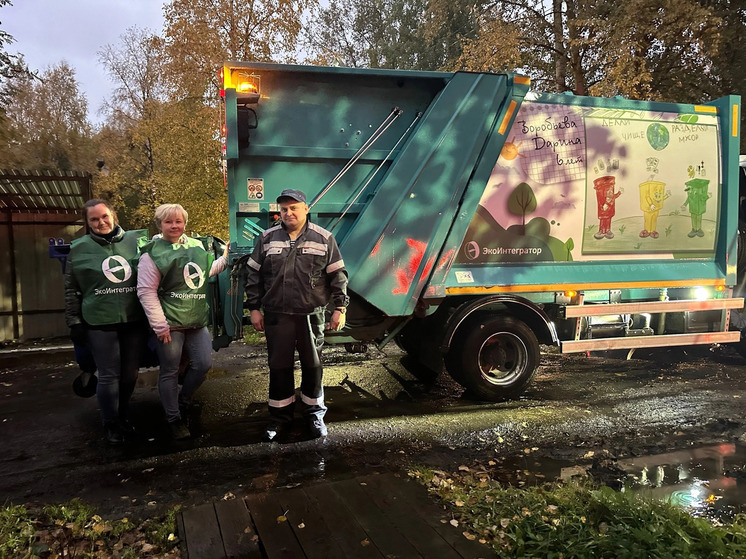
[577, 520]
[74, 530]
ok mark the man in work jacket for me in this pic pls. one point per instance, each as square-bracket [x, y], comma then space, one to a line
[294, 272]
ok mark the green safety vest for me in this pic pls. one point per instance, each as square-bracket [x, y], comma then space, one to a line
[107, 277]
[185, 269]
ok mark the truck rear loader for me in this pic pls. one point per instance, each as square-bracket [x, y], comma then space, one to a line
[479, 220]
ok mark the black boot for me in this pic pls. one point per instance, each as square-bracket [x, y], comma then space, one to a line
[113, 433]
[179, 430]
[316, 426]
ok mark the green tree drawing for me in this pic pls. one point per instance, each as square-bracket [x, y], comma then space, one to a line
[522, 202]
[570, 245]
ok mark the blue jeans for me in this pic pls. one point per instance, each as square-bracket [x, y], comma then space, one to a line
[117, 356]
[197, 345]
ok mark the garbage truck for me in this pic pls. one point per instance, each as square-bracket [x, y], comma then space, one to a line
[480, 220]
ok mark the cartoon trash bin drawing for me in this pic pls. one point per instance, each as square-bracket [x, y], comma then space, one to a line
[652, 197]
[606, 200]
[696, 199]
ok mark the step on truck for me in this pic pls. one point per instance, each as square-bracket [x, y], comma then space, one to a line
[479, 219]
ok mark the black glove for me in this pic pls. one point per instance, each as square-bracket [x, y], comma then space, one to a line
[79, 334]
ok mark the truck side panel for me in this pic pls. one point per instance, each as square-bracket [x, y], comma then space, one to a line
[603, 194]
[398, 240]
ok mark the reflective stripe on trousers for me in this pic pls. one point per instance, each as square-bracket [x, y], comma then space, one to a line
[285, 334]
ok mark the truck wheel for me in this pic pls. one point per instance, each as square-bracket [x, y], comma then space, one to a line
[495, 359]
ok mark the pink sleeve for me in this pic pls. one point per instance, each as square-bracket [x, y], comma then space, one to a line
[218, 265]
[148, 280]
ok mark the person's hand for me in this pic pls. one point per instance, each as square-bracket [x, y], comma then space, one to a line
[226, 249]
[79, 334]
[337, 321]
[165, 337]
[257, 320]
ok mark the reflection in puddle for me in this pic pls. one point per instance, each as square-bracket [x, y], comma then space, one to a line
[709, 481]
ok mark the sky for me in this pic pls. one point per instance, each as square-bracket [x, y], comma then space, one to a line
[49, 31]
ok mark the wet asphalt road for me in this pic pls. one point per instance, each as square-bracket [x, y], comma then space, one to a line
[385, 414]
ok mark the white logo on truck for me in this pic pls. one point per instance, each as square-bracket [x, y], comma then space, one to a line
[472, 250]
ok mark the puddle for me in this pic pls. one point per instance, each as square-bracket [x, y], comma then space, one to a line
[709, 481]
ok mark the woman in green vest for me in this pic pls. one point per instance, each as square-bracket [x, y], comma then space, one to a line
[172, 287]
[104, 313]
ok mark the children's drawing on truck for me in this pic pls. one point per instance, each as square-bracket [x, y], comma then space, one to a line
[662, 151]
[652, 197]
[696, 199]
[522, 201]
[619, 181]
[605, 205]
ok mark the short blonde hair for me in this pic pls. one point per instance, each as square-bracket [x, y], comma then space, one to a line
[164, 211]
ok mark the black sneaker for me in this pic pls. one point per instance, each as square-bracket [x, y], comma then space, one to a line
[316, 427]
[179, 430]
[273, 432]
[113, 433]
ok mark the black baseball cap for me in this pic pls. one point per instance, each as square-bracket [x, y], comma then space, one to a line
[296, 195]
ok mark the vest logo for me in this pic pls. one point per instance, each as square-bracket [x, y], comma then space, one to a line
[193, 275]
[116, 269]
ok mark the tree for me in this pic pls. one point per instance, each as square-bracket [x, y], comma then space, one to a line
[448, 25]
[12, 69]
[654, 49]
[135, 67]
[522, 201]
[496, 48]
[158, 145]
[47, 123]
[12, 66]
[404, 34]
[646, 49]
[728, 73]
[201, 36]
[333, 40]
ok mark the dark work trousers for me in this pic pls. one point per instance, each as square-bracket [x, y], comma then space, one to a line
[286, 333]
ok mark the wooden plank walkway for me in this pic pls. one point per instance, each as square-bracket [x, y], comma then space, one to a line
[374, 516]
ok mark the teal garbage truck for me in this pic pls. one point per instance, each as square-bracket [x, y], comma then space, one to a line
[480, 220]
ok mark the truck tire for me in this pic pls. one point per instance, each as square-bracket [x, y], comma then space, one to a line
[495, 358]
